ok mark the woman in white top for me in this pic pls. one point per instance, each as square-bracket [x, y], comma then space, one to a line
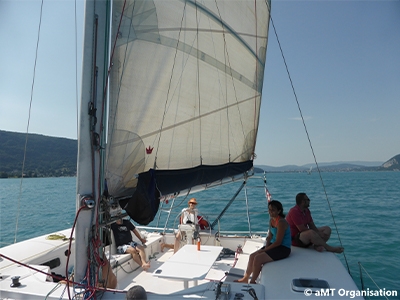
[188, 216]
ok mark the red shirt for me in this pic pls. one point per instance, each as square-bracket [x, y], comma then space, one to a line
[297, 217]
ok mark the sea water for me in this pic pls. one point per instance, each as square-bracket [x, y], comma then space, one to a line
[362, 208]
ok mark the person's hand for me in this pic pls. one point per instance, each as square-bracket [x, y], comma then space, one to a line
[143, 240]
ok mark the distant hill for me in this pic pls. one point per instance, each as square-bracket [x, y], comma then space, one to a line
[392, 164]
[53, 157]
[45, 156]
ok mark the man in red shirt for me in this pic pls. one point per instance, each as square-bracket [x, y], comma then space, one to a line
[303, 230]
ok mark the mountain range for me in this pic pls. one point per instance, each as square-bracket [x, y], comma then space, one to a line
[392, 164]
[53, 157]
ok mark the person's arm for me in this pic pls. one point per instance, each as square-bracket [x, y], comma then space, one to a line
[196, 213]
[297, 220]
[269, 238]
[282, 226]
[184, 216]
[312, 226]
[302, 227]
[143, 240]
[136, 232]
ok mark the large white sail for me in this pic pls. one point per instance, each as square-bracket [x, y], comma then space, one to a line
[185, 90]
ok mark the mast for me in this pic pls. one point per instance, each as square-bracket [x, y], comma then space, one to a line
[90, 138]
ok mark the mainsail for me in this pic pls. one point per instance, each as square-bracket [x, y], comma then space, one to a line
[185, 92]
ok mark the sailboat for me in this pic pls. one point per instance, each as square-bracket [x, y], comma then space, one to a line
[171, 95]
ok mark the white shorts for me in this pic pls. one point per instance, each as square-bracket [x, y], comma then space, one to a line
[122, 249]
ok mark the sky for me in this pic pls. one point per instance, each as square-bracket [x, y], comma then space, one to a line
[343, 58]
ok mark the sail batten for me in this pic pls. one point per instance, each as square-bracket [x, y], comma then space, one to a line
[185, 90]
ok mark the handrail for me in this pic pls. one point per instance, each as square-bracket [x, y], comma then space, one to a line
[361, 267]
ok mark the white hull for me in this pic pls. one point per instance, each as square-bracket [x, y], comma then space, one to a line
[275, 280]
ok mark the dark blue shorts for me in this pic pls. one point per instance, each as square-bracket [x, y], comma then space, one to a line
[279, 252]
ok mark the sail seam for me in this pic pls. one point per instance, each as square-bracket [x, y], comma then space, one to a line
[180, 123]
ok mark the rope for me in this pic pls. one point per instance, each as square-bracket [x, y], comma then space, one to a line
[69, 249]
[128, 272]
[57, 236]
[30, 267]
[55, 288]
[309, 141]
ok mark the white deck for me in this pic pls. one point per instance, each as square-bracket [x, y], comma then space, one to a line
[306, 263]
[275, 281]
[189, 264]
[277, 276]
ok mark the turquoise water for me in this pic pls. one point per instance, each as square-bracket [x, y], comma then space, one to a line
[364, 205]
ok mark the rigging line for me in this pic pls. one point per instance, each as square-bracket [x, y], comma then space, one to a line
[226, 79]
[362, 268]
[229, 204]
[225, 75]
[28, 266]
[117, 36]
[70, 246]
[76, 71]
[309, 140]
[96, 234]
[198, 82]
[95, 142]
[256, 115]
[102, 130]
[227, 62]
[169, 85]
[27, 126]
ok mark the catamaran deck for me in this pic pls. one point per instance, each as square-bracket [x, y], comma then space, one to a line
[275, 281]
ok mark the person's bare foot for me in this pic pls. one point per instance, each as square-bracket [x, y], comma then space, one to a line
[338, 249]
[335, 249]
[146, 266]
[243, 279]
[319, 248]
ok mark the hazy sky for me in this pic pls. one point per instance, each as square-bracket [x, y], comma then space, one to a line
[343, 58]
